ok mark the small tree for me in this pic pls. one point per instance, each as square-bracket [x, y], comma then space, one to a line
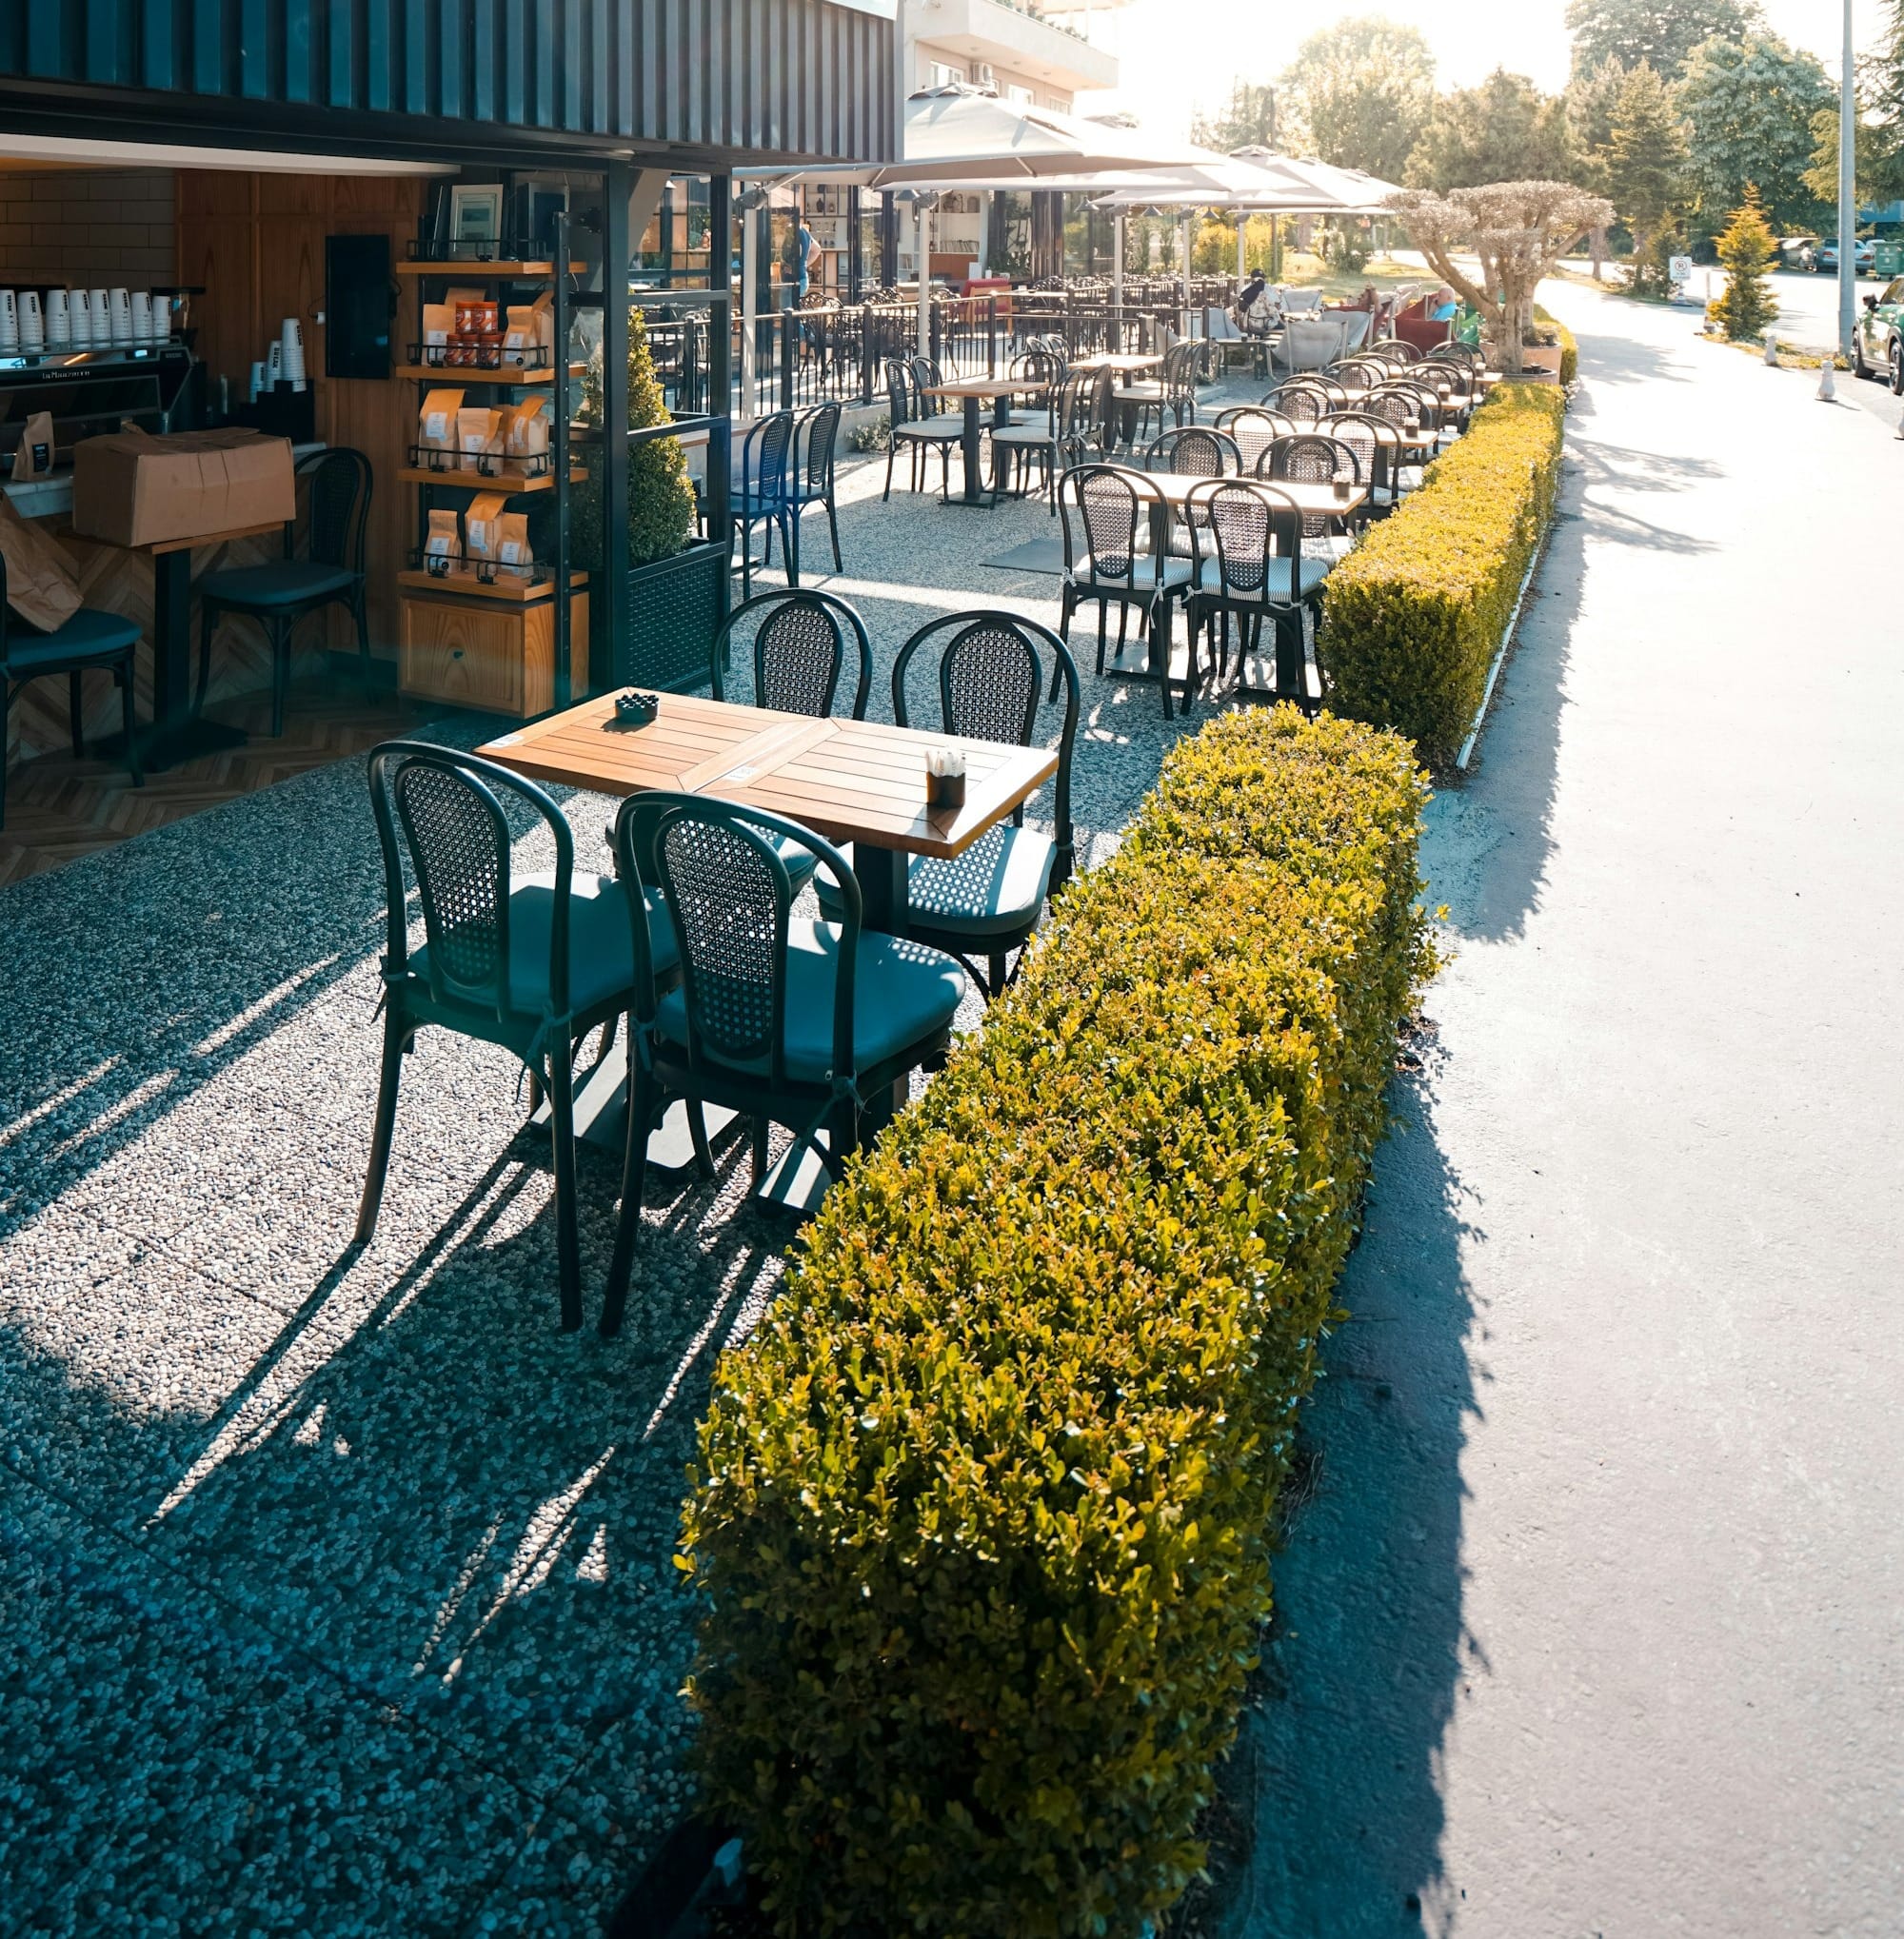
[1519, 229]
[1748, 249]
[661, 501]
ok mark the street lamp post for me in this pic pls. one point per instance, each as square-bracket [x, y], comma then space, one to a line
[1847, 193]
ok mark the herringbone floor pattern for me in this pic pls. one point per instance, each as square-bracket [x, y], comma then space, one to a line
[59, 808]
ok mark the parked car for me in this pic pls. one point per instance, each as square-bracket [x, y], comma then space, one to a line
[1878, 337]
[1824, 258]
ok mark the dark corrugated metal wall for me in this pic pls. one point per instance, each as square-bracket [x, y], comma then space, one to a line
[779, 78]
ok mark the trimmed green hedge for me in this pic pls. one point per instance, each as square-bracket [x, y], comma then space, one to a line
[983, 1513]
[1570, 350]
[1411, 618]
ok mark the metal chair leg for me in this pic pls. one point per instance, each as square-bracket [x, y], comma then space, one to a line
[697, 1132]
[567, 1238]
[129, 720]
[383, 1128]
[833, 527]
[634, 1175]
[207, 620]
[281, 673]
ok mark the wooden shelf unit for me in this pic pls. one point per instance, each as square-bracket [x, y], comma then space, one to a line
[514, 483]
[462, 641]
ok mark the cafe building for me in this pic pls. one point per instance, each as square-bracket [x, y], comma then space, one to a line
[330, 275]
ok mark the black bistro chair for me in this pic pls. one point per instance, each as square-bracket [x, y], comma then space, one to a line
[280, 594]
[532, 963]
[910, 424]
[987, 902]
[1116, 524]
[782, 1018]
[1250, 565]
[816, 439]
[89, 639]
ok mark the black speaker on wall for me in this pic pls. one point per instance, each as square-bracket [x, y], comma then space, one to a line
[357, 305]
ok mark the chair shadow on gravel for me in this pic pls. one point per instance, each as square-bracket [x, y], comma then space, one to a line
[1369, 1647]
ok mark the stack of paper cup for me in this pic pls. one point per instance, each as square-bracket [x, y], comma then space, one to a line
[141, 316]
[274, 367]
[79, 312]
[59, 321]
[9, 323]
[102, 319]
[121, 313]
[259, 380]
[33, 328]
[291, 343]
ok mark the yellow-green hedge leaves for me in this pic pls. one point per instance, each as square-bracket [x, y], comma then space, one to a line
[982, 1516]
[1411, 619]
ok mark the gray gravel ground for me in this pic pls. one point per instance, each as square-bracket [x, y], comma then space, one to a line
[335, 1589]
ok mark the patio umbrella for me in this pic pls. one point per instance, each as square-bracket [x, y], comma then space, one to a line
[964, 138]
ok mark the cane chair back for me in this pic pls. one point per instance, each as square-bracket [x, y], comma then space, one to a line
[802, 641]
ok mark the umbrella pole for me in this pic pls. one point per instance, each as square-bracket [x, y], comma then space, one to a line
[924, 282]
[1118, 272]
[750, 347]
[1185, 229]
[1243, 225]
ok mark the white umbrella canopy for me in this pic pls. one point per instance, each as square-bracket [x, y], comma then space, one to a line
[1255, 179]
[962, 138]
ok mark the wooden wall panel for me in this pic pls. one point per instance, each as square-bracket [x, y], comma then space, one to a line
[255, 243]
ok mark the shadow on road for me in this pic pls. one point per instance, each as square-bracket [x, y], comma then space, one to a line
[1370, 1648]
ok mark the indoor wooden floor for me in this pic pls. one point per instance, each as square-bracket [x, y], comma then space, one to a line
[59, 808]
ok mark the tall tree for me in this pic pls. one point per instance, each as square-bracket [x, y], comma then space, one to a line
[1251, 118]
[1882, 85]
[1504, 130]
[1590, 100]
[1365, 86]
[1748, 112]
[1646, 160]
[1873, 159]
[1519, 229]
[1660, 33]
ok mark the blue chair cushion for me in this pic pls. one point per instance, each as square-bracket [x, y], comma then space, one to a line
[601, 943]
[903, 993]
[997, 888]
[285, 582]
[1276, 581]
[87, 635]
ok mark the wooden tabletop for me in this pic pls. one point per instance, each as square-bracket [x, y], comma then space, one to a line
[1319, 500]
[849, 780]
[982, 386]
[1120, 361]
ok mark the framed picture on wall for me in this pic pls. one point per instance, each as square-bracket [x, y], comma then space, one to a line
[475, 216]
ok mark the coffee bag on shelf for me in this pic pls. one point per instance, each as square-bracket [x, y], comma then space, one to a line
[512, 550]
[481, 525]
[477, 435]
[437, 426]
[441, 544]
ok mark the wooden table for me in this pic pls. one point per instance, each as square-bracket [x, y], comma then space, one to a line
[972, 391]
[850, 780]
[1313, 499]
[175, 734]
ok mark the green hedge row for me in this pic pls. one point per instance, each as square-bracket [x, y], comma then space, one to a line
[1411, 619]
[981, 1515]
[1570, 350]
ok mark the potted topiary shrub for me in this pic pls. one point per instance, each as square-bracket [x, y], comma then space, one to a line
[677, 583]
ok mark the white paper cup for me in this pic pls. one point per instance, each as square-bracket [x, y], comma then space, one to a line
[120, 310]
[274, 364]
[79, 313]
[58, 320]
[33, 324]
[259, 379]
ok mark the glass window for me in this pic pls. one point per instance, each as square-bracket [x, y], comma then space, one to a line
[1022, 96]
[943, 77]
[1896, 292]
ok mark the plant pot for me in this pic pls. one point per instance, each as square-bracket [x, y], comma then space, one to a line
[675, 607]
[1541, 357]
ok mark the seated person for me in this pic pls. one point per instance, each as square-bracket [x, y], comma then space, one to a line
[1443, 306]
[1258, 310]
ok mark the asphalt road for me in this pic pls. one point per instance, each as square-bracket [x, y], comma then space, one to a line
[1594, 1623]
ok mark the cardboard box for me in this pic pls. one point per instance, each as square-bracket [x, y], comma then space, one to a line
[134, 490]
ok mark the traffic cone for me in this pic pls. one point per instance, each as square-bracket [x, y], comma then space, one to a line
[1828, 391]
